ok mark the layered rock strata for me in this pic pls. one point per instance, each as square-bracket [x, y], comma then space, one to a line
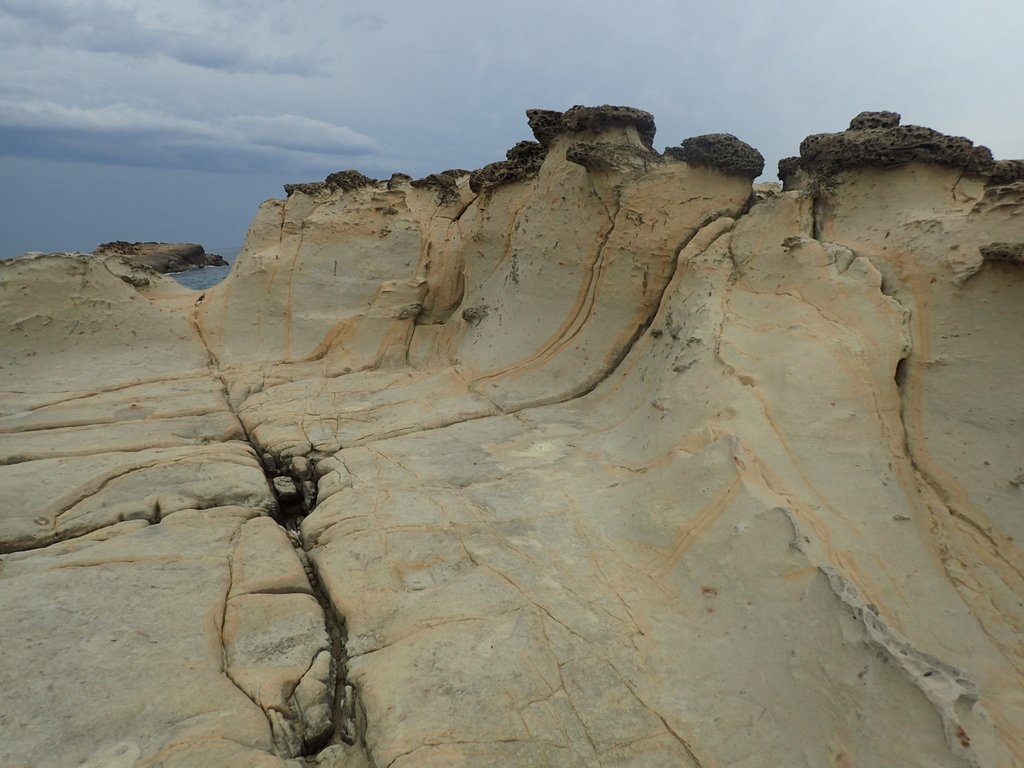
[599, 459]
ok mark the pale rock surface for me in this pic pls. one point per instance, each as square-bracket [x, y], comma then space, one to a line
[596, 457]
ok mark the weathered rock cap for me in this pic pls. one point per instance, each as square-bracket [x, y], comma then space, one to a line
[721, 151]
[548, 124]
[444, 184]
[876, 139]
[311, 188]
[523, 161]
[348, 180]
[882, 119]
[1007, 171]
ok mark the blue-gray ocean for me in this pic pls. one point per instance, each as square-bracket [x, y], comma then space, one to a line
[198, 279]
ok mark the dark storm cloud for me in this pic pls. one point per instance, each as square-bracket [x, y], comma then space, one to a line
[118, 93]
[101, 27]
[122, 135]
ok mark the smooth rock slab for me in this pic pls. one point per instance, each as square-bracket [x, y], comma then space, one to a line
[113, 650]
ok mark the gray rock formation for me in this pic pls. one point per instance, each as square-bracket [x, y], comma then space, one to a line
[162, 257]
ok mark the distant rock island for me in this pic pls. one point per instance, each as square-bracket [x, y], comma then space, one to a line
[163, 257]
[594, 456]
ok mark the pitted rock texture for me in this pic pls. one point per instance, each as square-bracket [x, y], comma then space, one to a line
[1009, 252]
[875, 139]
[596, 119]
[546, 124]
[721, 151]
[523, 162]
[608, 467]
[1007, 171]
[347, 181]
[444, 184]
[866, 120]
[310, 188]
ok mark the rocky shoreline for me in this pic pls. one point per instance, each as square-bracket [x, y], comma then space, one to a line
[162, 257]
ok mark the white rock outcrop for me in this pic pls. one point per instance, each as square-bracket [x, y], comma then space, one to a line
[595, 456]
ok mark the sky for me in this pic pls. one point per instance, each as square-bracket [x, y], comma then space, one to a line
[172, 121]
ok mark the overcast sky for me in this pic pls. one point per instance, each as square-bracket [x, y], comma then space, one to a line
[147, 120]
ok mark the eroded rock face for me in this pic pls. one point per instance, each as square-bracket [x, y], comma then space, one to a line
[617, 462]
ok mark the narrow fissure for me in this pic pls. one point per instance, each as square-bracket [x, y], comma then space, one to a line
[296, 497]
[295, 494]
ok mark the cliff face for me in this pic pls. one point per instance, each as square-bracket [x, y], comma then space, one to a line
[590, 457]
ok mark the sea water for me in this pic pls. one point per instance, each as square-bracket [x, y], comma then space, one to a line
[199, 279]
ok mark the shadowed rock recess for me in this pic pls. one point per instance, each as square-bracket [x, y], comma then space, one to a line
[591, 457]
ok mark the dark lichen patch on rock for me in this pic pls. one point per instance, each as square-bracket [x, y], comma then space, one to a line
[523, 161]
[721, 151]
[473, 315]
[347, 181]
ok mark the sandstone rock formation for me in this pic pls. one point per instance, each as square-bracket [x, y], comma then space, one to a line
[163, 257]
[603, 458]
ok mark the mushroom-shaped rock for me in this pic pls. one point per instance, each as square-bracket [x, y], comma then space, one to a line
[875, 139]
[721, 151]
[595, 119]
